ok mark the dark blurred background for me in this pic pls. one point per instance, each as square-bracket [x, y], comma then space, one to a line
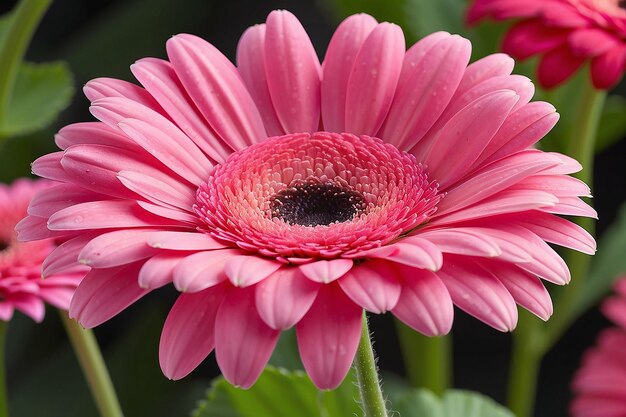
[102, 39]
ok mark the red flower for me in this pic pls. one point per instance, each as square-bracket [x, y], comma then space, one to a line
[565, 33]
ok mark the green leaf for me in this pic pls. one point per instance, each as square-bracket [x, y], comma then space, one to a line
[455, 403]
[5, 21]
[472, 404]
[417, 403]
[389, 10]
[426, 16]
[613, 122]
[286, 353]
[279, 393]
[41, 92]
[606, 265]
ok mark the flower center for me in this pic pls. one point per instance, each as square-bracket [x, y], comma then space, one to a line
[315, 203]
[4, 245]
[315, 196]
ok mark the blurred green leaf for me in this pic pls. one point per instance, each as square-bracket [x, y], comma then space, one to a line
[286, 354]
[613, 122]
[41, 92]
[5, 21]
[425, 16]
[389, 10]
[455, 403]
[606, 265]
[279, 393]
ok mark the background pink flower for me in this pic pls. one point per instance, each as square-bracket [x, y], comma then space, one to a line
[565, 33]
[21, 283]
[238, 185]
[600, 383]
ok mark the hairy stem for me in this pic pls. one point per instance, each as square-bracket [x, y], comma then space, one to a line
[372, 400]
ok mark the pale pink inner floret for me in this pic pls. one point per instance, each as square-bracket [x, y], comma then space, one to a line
[236, 202]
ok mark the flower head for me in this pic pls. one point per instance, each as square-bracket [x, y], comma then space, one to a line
[21, 283]
[599, 383]
[566, 34]
[281, 192]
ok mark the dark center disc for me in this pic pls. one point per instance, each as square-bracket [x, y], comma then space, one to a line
[317, 204]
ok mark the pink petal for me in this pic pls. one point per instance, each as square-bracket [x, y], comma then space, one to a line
[522, 129]
[171, 147]
[183, 241]
[572, 206]
[559, 231]
[463, 241]
[31, 305]
[557, 66]
[243, 342]
[507, 201]
[246, 270]
[95, 167]
[608, 68]
[177, 217]
[155, 190]
[340, 56]
[493, 65]
[34, 228]
[65, 256]
[159, 269]
[251, 66]
[105, 214]
[494, 178]
[413, 251]
[328, 337]
[472, 128]
[96, 133]
[104, 293]
[532, 37]
[283, 298]
[159, 78]
[49, 166]
[59, 297]
[479, 293]
[526, 289]
[433, 73]
[293, 73]
[424, 303]
[99, 88]
[50, 200]
[373, 79]
[373, 285]
[188, 332]
[116, 248]
[202, 270]
[215, 86]
[326, 271]
[591, 42]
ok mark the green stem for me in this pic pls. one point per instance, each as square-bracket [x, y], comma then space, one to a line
[372, 400]
[427, 360]
[525, 365]
[24, 21]
[581, 147]
[4, 401]
[90, 359]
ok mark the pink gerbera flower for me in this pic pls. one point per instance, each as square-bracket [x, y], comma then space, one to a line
[21, 286]
[600, 383]
[237, 184]
[566, 33]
